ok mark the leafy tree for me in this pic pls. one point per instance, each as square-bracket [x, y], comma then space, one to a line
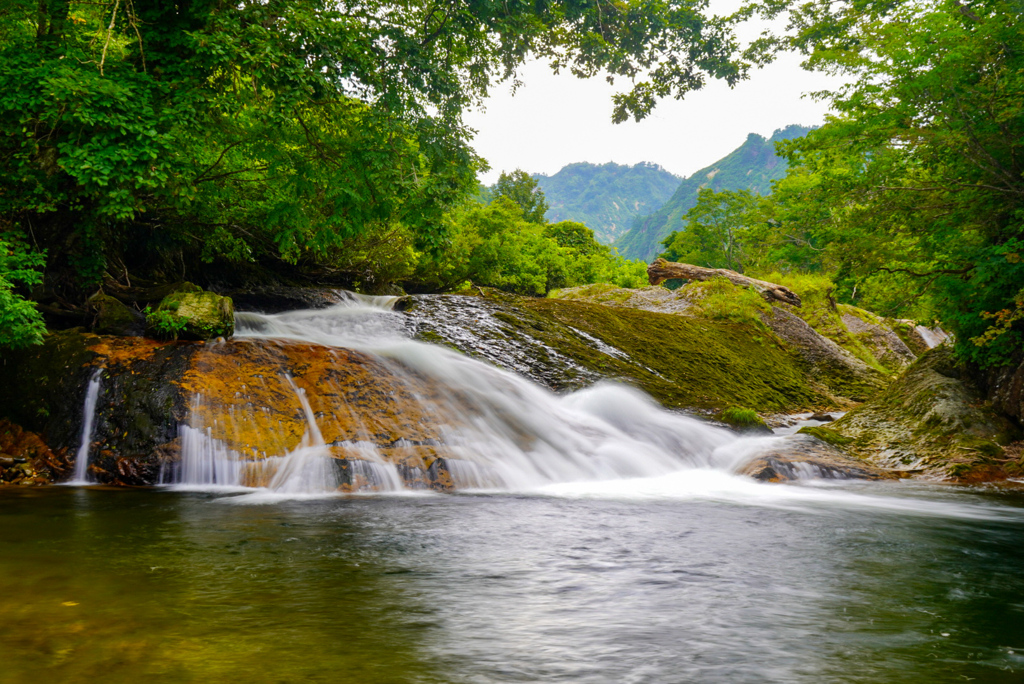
[522, 190]
[20, 323]
[719, 231]
[919, 181]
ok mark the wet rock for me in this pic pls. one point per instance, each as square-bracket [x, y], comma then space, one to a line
[805, 458]
[822, 417]
[114, 318]
[192, 314]
[272, 299]
[934, 421]
[881, 340]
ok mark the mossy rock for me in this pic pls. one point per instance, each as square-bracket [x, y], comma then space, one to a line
[743, 419]
[932, 420]
[113, 317]
[825, 435]
[192, 315]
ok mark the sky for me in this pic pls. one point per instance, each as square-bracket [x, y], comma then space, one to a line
[554, 120]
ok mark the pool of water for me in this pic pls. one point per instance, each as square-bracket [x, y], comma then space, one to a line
[871, 582]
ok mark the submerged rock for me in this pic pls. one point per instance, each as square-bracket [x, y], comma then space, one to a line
[933, 420]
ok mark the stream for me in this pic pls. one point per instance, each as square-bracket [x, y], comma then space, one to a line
[589, 537]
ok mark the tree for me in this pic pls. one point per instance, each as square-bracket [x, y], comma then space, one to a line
[718, 232]
[919, 180]
[522, 190]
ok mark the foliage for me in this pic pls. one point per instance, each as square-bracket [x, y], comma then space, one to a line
[606, 197]
[20, 322]
[164, 323]
[522, 190]
[152, 137]
[719, 231]
[495, 246]
[914, 193]
[742, 418]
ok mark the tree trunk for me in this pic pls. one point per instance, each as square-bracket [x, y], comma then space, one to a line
[662, 270]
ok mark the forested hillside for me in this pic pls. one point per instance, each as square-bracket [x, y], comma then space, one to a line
[606, 197]
[752, 166]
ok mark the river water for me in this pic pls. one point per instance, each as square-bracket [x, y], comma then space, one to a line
[604, 541]
[896, 583]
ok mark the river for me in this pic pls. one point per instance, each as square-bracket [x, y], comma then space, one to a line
[590, 537]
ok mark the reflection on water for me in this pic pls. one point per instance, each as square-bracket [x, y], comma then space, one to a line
[160, 586]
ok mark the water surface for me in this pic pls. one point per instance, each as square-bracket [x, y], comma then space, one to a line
[658, 581]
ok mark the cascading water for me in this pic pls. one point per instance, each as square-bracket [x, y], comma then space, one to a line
[92, 394]
[490, 429]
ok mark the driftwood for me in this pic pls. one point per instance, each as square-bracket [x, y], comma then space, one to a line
[662, 270]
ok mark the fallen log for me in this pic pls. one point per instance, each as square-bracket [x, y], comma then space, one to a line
[661, 270]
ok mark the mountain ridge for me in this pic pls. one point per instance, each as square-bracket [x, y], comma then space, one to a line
[751, 166]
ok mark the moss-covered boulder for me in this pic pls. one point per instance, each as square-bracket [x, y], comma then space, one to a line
[743, 419]
[934, 421]
[835, 363]
[113, 317]
[191, 313]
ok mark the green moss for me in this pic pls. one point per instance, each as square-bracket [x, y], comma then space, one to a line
[680, 360]
[192, 315]
[718, 299]
[825, 435]
[742, 418]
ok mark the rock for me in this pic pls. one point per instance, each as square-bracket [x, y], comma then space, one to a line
[26, 459]
[806, 457]
[278, 298]
[872, 331]
[822, 417]
[192, 315]
[831, 365]
[114, 318]
[933, 420]
[566, 344]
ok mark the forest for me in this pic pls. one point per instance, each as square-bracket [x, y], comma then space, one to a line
[316, 142]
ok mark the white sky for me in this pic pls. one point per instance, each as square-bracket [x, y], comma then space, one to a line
[553, 120]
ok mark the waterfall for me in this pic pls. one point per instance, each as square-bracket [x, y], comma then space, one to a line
[92, 393]
[932, 337]
[488, 428]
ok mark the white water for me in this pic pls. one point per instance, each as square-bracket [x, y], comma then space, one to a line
[932, 337]
[608, 440]
[92, 394]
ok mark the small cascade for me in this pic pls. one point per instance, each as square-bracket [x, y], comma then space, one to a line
[932, 337]
[376, 410]
[92, 394]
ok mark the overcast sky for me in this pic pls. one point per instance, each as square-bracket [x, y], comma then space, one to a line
[553, 120]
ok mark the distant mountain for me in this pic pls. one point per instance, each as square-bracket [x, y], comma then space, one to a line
[752, 166]
[606, 197]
